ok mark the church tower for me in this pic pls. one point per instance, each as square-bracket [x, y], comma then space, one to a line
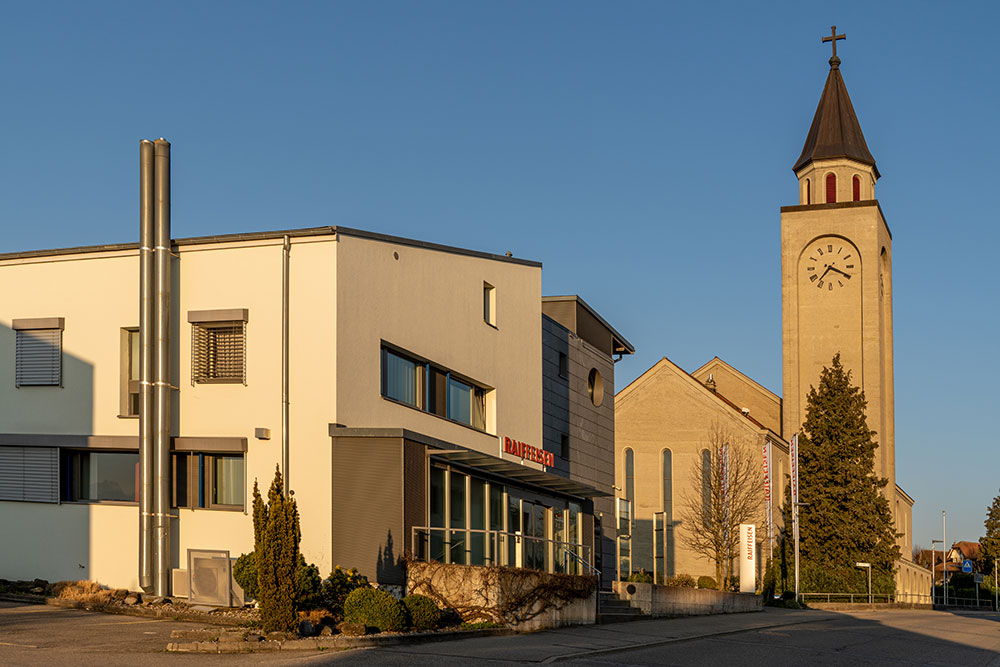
[836, 271]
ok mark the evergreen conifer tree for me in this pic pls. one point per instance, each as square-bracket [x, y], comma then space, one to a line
[277, 559]
[989, 544]
[848, 518]
[259, 518]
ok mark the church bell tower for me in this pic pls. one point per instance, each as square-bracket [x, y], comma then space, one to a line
[836, 271]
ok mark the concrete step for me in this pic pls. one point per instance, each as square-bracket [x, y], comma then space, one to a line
[615, 617]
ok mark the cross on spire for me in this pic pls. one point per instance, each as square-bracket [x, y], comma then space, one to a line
[834, 61]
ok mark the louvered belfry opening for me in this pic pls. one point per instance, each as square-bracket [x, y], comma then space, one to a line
[857, 188]
[218, 352]
[831, 188]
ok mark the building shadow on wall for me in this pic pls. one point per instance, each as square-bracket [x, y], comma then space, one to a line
[39, 424]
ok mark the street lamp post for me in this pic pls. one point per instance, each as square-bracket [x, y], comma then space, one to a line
[944, 550]
[996, 587]
[933, 542]
[795, 534]
[867, 566]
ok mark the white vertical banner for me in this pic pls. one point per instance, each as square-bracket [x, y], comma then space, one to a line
[748, 558]
[767, 451]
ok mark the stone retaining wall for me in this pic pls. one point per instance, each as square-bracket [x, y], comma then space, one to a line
[664, 601]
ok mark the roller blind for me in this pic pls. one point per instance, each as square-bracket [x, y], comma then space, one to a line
[39, 357]
[29, 474]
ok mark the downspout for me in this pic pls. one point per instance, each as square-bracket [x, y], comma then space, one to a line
[146, 242]
[161, 386]
[285, 253]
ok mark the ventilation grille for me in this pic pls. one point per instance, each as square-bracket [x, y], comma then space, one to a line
[209, 574]
[218, 352]
[39, 357]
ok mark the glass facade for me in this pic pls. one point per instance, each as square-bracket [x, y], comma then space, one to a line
[474, 521]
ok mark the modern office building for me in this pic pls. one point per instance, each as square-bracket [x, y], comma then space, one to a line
[416, 419]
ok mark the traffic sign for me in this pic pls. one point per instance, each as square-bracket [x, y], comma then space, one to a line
[978, 578]
[967, 566]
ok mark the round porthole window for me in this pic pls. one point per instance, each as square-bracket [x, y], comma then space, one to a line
[595, 386]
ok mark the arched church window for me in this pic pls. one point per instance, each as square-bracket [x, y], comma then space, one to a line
[857, 189]
[630, 475]
[706, 486]
[809, 193]
[831, 188]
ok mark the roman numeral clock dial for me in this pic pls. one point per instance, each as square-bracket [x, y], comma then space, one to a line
[830, 264]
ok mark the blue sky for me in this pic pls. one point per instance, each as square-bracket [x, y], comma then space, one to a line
[641, 150]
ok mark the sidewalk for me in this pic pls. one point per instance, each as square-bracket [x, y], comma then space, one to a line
[552, 646]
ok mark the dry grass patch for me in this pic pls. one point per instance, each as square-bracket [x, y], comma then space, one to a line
[83, 591]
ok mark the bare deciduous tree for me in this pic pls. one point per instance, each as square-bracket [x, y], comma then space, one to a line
[710, 511]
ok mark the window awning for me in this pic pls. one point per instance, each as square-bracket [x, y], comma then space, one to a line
[515, 471]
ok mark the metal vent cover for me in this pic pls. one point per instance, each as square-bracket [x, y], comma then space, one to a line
[209, 577]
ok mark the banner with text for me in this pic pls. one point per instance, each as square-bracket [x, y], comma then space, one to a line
[768, 452]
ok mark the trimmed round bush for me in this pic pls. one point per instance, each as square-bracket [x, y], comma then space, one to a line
[682, 580]
[377, 609]
[707, 582]
[424, 614]
[245, 574]
[641, 577]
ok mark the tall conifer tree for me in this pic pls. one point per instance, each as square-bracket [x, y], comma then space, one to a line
[848, 518]
[278, 559]
[989, 544]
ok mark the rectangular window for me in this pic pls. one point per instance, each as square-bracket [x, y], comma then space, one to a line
[436, 390]
[402, 379]
[29, 474]
[489, 304]
[129, 373]
[209, 481]
[38, 352]
[95, 476]
[564, 446]
[218, 352]
[563, 366]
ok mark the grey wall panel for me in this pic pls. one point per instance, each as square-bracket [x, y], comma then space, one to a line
[367, 505]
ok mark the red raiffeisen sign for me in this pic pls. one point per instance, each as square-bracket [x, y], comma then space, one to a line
[525, 451]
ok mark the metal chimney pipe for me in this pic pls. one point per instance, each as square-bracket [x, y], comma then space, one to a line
[146, 243]
[161, 392]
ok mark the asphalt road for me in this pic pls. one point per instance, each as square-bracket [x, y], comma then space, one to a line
[42, 635]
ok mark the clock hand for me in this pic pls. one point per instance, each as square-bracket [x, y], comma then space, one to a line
[839, 271]
[823, 275]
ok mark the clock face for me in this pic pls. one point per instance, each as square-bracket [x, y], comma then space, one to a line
[831, 264]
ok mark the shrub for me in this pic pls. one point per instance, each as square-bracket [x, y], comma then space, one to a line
[338, 586]
[707, 582]
[424, 614]
[308, 586]
[278, 559]
[682, 580]
[245, 574]
[640, 577]
[376, 609]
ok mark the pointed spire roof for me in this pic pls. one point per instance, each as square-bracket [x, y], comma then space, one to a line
[835, 131]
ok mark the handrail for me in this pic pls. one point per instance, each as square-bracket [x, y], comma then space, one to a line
[587, 565]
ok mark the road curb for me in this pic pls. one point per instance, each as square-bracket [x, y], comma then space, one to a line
[339, 642]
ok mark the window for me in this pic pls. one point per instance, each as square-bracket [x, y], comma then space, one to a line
[29, 474]
[564, 446]
[563, 366]
[38, 352]
[808, 192]
[857, 188]
[831, 188]
[668, 513]
[94, 476]
[129, 377]
[211, 481]
[433, 389]
[595, 387]
[218, 346]
[489, 304]
[630, 475]
[706, 486]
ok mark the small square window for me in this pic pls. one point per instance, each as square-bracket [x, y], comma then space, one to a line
[489, 304]
[212, 481]
[38, 352]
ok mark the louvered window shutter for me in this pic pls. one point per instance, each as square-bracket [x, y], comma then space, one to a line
[29, 474]
[39, 357]
[831, 188]
[218, 352]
